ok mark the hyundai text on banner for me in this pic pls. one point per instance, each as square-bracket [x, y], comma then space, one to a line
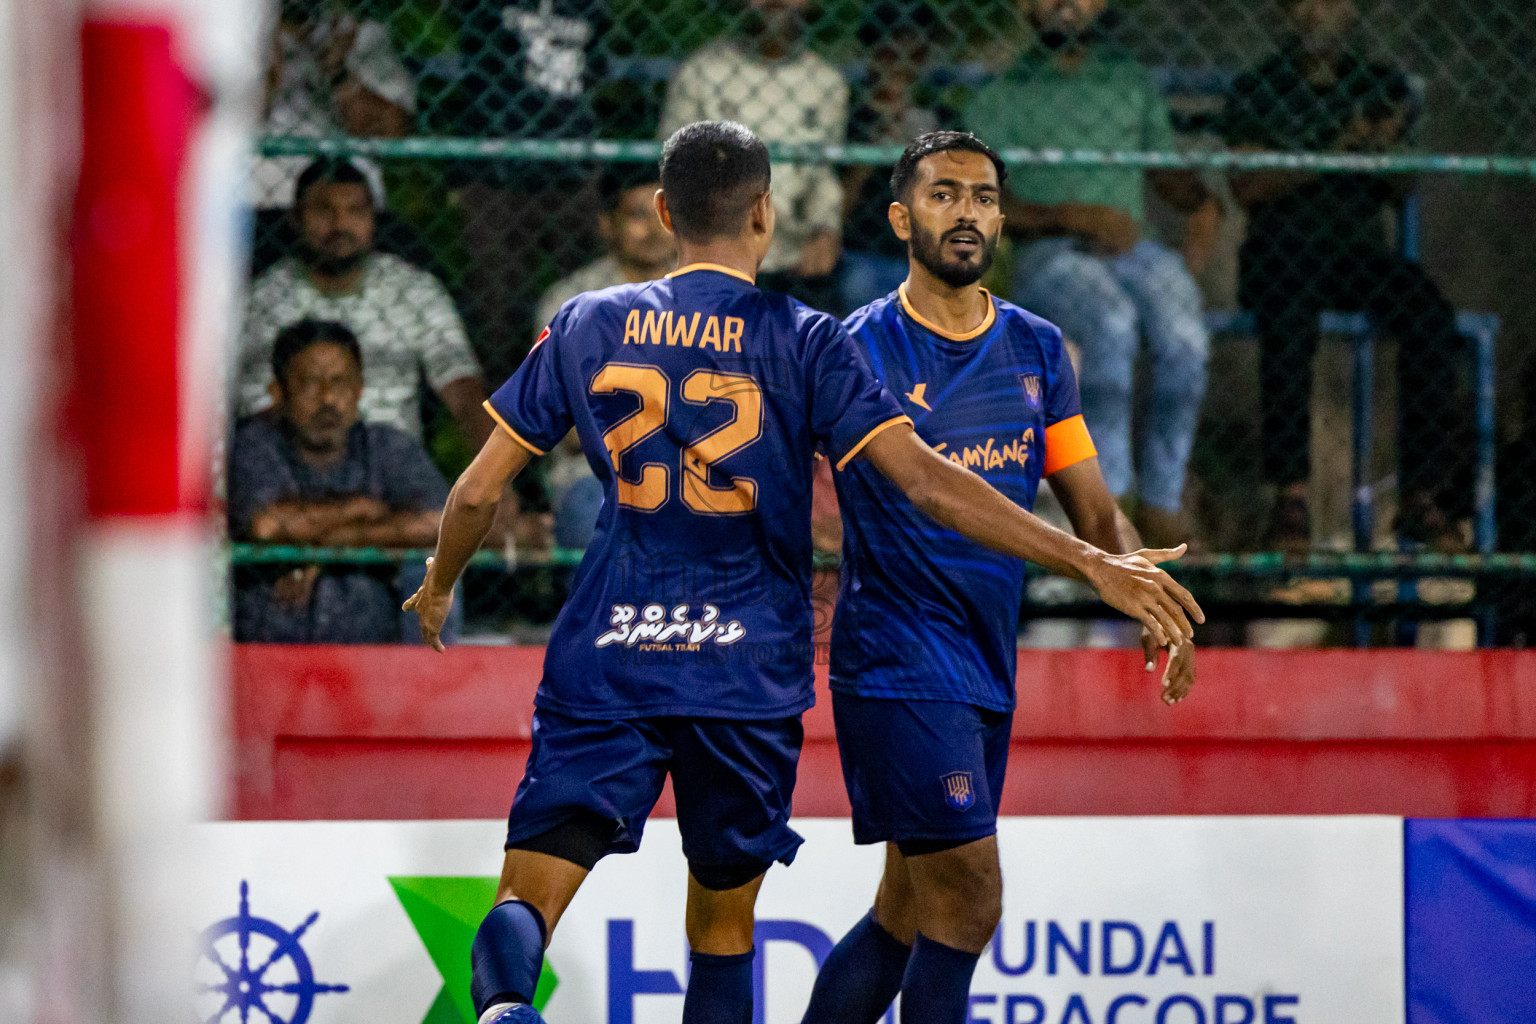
[1106, 921]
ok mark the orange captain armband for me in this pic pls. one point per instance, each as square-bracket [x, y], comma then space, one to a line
[1066, 444]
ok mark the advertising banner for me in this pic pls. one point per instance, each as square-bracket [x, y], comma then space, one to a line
[1106, 921]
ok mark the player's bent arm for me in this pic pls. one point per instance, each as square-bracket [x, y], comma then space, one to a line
[962, 501]
[471, 508]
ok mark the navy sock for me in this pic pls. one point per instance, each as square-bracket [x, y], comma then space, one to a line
[860, 978]
[507, 955]
[719, 989]
[937, 986]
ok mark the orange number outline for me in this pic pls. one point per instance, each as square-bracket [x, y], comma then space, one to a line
[745, 426]
[652, 387]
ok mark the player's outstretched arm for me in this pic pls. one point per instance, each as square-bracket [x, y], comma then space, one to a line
[964, 502]
[467, 517]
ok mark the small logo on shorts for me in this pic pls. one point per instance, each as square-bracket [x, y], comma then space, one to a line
[957, 790]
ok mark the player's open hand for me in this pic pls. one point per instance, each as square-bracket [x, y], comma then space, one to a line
[431, 609]
[1135, 585]
[1178, 673]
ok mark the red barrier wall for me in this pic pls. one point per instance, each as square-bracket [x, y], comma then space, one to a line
[391, 732]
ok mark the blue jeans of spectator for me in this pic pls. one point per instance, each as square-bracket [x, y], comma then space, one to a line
[412, 576]
[1106, 305]
[863, 277]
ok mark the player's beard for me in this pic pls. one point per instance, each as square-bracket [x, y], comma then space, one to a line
[929, 253]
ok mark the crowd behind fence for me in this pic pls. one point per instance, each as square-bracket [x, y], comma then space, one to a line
[1288, 242]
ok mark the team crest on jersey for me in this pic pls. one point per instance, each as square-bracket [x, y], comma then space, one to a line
[958, 791]
[1031, 383]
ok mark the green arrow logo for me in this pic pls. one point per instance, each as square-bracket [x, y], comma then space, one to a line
[446, 912]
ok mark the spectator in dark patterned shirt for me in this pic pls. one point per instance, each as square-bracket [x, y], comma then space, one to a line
[310, 473]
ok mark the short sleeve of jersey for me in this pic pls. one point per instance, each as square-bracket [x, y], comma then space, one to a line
[533, 406]
[849, 405]
[1066, 435]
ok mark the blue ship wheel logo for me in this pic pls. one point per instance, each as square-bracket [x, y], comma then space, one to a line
[257, 969]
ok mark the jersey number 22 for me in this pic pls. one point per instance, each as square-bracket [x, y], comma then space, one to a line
[698, 456]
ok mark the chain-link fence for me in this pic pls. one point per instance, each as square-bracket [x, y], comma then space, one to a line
[1288, 240]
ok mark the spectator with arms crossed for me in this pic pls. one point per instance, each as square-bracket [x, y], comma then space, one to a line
[1087, 264]
[924, 739]
[310, 473]
[705, 447]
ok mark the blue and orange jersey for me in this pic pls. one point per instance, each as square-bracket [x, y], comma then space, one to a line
[701, 403]
[923, 613]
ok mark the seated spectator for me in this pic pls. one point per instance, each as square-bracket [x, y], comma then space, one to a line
[531, 68]
[1317, 241]
[886, 110]
[328, 73]
[403, 317]
[311, 473]
[1085, 260]
[768, 79]
[639, 249]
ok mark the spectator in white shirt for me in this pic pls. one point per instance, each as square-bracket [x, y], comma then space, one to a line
[767, 79]
[329, 73]
[402, 316]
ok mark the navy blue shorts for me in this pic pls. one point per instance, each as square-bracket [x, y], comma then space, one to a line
[921, 769]
[732, 780]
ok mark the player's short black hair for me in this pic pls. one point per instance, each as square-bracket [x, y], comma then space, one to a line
[618, 179]
[306, 334]
[712, 172]
[929, 143]
[331, 170]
